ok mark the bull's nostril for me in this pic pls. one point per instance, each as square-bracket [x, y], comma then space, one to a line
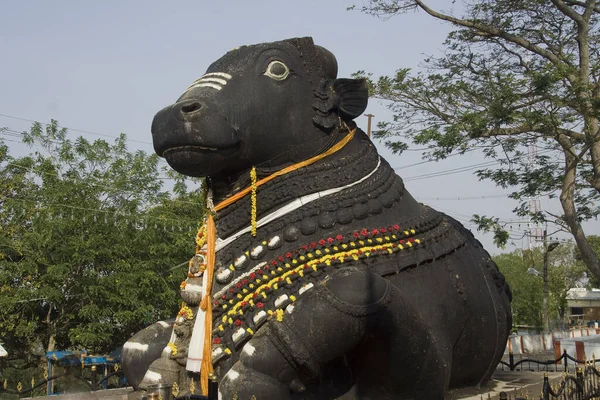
[190, 108]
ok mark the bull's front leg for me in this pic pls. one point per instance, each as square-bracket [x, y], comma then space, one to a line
[325, 323]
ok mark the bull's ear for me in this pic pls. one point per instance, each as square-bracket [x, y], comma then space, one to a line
[352, 96]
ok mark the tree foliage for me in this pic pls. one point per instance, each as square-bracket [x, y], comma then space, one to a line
[89, 239]
[514, 73]
[564, 272]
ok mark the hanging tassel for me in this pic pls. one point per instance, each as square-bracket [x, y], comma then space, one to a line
[206, 305]
[200, 348]
[253, 201]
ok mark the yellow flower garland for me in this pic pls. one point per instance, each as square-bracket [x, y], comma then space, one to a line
[253, 201]
[186, 312]
[173, 348]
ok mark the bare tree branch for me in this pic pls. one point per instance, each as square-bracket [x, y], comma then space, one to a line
[489, 30]
[568, 11]
[570, 133]
[580, 4]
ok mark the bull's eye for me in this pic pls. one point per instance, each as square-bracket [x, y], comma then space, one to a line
[277, 70]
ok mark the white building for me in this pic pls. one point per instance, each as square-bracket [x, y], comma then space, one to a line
[584, 305]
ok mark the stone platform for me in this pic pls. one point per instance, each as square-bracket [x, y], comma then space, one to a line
[521, 383]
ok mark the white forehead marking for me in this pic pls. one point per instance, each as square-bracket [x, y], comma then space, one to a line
[215, 80]
[209, 79]
[206, 84]
[221, 74]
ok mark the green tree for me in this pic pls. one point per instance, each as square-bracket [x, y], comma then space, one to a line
[564, 273]
[89, 242]
[526, 288]
[514, 72]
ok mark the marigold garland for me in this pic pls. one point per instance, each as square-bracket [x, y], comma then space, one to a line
[351, 250]
[279, 315]
[173, 348]
[201, 236]
[186, 312]
[253, 201]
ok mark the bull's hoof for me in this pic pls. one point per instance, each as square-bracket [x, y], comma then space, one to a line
[243, 383]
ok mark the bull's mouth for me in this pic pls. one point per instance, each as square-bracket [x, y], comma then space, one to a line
[195, 160]
[194, 148]
[188, 148]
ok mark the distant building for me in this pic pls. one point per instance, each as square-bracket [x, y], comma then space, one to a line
[584, 305]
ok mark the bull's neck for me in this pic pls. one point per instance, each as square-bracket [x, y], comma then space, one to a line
[345, 166]
[227, 187]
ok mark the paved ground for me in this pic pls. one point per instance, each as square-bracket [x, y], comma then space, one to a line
[527, 382]
[515, 383]
[110, 394]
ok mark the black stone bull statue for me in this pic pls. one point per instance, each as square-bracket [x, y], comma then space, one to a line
[330, 280]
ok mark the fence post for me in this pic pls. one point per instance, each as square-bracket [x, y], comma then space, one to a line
[94, 380]
[49, 386]
[580, 384]
[511, 360]
[213, 386]
[546, 387]
[566, 360]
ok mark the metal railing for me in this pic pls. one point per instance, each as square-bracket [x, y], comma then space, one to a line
[585, 385]
[92, 386]
[559, 364]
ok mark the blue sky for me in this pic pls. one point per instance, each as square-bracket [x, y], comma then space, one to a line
[108, 66]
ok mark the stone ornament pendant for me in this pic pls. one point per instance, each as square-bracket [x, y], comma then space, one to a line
[191, 288]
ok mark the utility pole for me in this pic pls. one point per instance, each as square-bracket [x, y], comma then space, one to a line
[369, 124]
[545, 277]
[547, 249]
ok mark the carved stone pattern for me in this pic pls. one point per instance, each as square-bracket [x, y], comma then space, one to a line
[383, 184]
[317, 177]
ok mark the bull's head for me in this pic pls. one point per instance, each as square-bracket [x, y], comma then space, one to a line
[266, 105]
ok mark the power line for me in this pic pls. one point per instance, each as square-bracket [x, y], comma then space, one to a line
[74, 129]
[99, 185]
[430, 161]
[15, 133]
[450, 171]
[459, 169]
[482, 197]
[116, 213]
